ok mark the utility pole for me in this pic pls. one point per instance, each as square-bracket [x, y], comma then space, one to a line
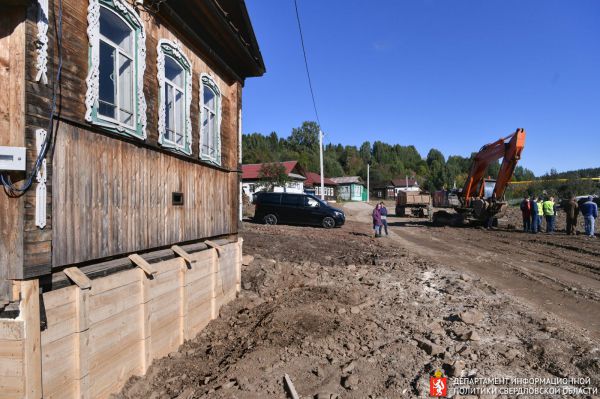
[368, 179]
[321, 162]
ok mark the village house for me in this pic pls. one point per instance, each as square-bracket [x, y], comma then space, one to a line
[388, 190]
[126, 242]
[350, 188]
[252, 182]
[312, 185]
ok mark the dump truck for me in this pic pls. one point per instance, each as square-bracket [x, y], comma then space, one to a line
[413, 203]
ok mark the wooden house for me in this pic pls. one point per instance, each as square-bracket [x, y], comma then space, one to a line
[130, 116]
[350, 188]
[388, 190]
[312, 185]
[252, 182]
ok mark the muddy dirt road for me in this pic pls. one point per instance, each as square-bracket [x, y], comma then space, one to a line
[349, 316]
[556, 273]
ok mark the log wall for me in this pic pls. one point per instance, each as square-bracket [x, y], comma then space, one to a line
[97, 337]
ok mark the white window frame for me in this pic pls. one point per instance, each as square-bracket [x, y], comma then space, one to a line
[168, 48]
[207, 80]
[131, 18]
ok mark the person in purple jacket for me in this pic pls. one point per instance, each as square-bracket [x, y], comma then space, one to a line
[377, 220]
[589, 210]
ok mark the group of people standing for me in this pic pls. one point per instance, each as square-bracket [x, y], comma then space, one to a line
[535, 210]
[380, 214]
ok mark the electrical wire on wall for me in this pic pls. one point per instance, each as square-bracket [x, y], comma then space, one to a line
[11, 189]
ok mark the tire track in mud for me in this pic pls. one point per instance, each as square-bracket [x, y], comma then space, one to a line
[544, 281]
[529, 249]
[501, 265]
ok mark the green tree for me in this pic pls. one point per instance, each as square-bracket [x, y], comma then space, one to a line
[272, 175]
[365, 152]
[305, 138]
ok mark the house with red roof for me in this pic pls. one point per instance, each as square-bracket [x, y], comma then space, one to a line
[312, 185]
[252, 183]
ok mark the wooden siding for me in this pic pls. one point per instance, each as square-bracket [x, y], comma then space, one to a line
[37, 245]
[12, 105]
[112, 197]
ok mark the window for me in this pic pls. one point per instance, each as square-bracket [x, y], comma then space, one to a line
[291, 200]
[174, 93]
[270, 198]
[210, 119]
[311, 202]
[114, 97]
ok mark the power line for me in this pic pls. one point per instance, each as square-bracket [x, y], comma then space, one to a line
[312, 93]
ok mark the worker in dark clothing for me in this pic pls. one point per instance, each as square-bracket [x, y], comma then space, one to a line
[589, 210]
[572, 211]
[384, 213]
[533, 205]
[526, 212]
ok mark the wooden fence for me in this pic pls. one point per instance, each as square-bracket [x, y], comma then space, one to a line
[101, 332]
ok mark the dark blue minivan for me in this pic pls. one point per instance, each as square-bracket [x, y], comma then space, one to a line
[273, 208]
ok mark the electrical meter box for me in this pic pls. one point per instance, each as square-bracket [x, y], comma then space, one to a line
[12, 158]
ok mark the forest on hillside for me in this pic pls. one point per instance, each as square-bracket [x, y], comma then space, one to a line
[388, 161]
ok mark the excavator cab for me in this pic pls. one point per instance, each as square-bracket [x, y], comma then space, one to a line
[488, 188]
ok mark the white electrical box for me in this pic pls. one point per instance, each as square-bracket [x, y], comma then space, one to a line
[12, 158]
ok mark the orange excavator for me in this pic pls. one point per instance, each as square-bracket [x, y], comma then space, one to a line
[482, 200]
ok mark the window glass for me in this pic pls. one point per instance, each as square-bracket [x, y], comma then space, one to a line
[291, 200]
[116, 70]
[311, 202]
[107, 97]
[115, 29]
[209, 135]
[204, 132]
[126, 90]
[169, 113]
[174, 71]
[209, 98]
[270, 198]
[180, 112]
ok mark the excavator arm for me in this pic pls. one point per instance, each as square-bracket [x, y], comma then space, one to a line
[509, 149]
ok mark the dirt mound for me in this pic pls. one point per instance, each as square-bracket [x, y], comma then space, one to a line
[344, 314]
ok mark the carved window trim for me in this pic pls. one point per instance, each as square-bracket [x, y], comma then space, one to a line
[169, 48]
[129, 15]
[41, 63]
[207, 80]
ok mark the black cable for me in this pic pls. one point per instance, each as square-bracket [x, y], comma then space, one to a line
[9, 187]
[306, 63]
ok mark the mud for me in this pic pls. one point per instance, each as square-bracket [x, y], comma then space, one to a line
[349, 316]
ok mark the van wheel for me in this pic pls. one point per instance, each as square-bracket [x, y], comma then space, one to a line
[270, 219]
[328, 222]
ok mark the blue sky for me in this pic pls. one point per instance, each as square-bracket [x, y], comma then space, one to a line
[453, 75]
